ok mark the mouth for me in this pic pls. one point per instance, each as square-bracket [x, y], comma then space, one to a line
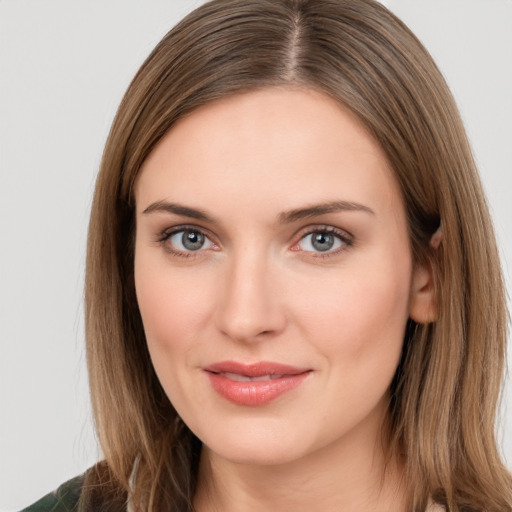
[254, 384]
[244, 378]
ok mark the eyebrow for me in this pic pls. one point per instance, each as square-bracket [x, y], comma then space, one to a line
[321, 209]
[287, 217]
[178, 209]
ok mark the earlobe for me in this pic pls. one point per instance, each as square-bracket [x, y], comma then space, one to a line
[423, 307]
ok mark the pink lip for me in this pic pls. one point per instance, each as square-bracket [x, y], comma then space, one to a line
[228, 378]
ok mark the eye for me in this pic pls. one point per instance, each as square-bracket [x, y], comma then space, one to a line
[323, 241]
[187, 240]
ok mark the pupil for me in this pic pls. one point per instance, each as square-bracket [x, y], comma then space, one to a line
[192, 240]
[322, 241]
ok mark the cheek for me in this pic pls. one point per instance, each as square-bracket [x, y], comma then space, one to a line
[173, 307]
[359, 320]
[174, 311]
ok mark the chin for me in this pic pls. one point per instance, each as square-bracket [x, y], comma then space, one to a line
[263, 455]
[256, 444]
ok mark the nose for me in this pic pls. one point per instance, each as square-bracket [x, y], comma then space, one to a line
[249, 307]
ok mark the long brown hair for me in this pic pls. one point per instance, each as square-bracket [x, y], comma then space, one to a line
[445, 393]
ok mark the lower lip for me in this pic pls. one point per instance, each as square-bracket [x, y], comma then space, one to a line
[254, 393]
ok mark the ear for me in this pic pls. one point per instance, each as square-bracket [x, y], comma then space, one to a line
[423, 307]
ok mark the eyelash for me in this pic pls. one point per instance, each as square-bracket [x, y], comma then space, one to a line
[344, 237]
[169, 233]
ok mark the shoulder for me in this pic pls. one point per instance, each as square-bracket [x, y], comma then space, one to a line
[94, 491]
[64, 499]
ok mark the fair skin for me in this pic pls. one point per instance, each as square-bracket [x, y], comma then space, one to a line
[270, 228]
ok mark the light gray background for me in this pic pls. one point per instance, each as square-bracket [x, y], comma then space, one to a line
[64, 66]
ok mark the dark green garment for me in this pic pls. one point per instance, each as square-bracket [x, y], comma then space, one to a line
[64, 499]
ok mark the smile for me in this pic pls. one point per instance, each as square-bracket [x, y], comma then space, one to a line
[255, 384]
[245, 378]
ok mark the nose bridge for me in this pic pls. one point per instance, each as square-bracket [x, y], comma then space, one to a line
[249, 306]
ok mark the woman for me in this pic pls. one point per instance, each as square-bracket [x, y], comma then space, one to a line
[293, 294]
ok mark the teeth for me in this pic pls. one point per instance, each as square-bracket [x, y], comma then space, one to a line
[244, 378]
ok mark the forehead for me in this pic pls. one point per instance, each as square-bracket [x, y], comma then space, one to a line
[278, 146]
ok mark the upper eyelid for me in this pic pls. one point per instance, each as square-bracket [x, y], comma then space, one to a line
[318, 228]
[311, 228]
[168, 232]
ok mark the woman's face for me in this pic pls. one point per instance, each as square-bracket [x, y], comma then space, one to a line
[274, 275]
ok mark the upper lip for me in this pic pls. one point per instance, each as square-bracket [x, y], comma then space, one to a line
[258, 369]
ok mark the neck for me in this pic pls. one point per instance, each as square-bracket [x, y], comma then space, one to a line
[336, 478]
